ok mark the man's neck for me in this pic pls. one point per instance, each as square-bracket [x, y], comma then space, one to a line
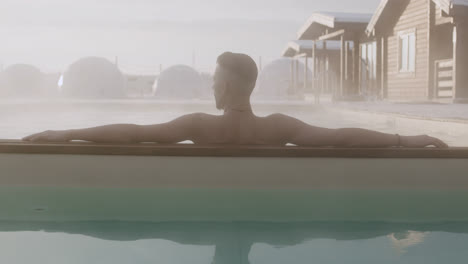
[242, 107]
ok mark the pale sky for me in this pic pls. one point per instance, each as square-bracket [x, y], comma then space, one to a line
[51, 34]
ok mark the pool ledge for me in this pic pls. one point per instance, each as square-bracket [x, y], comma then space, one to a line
[189, 150]
[230, 167]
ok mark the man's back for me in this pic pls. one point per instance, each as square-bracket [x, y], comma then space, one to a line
[238, 127]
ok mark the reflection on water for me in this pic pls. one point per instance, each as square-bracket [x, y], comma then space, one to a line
[240, 243]
[402, 241]
[20, 118]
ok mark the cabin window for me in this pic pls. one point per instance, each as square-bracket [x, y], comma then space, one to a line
[407, 52]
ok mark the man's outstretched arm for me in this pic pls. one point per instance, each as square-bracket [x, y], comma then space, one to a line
[180, 129]
[299, 133]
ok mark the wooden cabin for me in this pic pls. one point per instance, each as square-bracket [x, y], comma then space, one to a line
[324, 68]
[420, 51]
[344, 32]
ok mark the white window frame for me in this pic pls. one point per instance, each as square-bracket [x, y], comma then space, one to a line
[406, 35]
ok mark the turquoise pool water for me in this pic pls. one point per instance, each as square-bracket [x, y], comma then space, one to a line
[105, 225]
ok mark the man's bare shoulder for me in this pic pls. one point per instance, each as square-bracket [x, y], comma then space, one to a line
[279, 118]
[286, 122]
[199, 117]
[200, 120]
[204, 117]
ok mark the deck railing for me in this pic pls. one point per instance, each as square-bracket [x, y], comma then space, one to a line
[443, 79]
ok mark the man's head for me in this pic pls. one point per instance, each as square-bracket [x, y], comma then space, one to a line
[234, 79]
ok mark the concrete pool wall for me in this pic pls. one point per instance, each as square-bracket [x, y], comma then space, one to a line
[150, 182]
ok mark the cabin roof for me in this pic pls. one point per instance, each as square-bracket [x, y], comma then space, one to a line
[383, 6]
[445, 5]
[460, 2]
[320, 21]
[297, 47]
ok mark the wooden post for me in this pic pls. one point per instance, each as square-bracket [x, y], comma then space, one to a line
[353, 59]
[322, 73]
[325, 68]
[382, 68]
[342, 66]
[376, 87]
[436, 79]
[346, 65]
[359, 88]
[306, 73]
[455, 62]
[430, 50]
[314, 71]
[297, 76]
[355, 67]
[291, 84]
[346, 59]
[460, 61]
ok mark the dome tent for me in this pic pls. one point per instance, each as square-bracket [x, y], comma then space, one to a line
[179, 82]
[274, 81]
[93, 77]
[22, 80]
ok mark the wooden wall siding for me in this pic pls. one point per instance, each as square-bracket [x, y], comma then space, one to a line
[410, 86]
[442, 47]
[461, 60]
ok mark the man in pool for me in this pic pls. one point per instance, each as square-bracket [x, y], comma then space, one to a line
[234, 81]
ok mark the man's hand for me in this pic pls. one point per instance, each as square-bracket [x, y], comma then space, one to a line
[422, 141]
[48, 136]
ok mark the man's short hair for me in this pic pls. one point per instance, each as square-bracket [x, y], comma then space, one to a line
[242, 65]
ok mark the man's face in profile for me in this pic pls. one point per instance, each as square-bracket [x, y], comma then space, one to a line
[219, 87]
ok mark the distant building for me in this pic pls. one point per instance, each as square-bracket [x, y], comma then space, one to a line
[179, 82]
[323, 71]
[421, 49]
[408, 50]
[22, 80]
[93, 77]
[334, 51]
[281, 80]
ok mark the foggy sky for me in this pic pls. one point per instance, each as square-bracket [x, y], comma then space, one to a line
[146, 33]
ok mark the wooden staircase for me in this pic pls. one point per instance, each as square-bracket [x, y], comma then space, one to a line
[443, 79]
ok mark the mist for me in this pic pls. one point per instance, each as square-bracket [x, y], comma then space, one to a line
[52, 34]
[220, 131]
